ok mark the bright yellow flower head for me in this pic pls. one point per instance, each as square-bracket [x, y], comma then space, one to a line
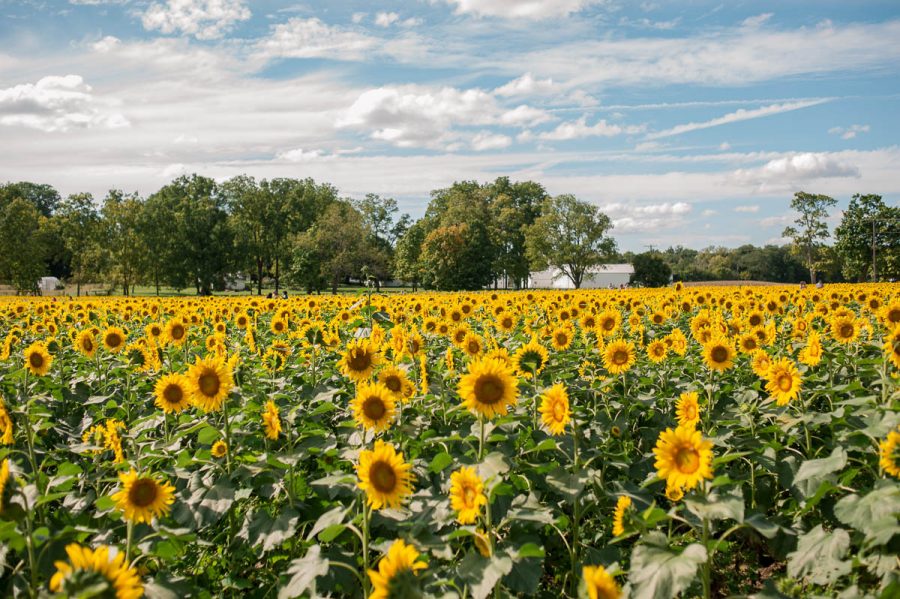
[619, 356]
[211, 382]
[622, 504]
[600, 584]
[38, 359]
[683, 457]
[400, 560]
[271, 420]
[554, 409]
[374, 406]
[888, 453]
[114, 339]
[688, 409]
[784, 381]
[88, 568]
[173, 393]
[143, 498]
[360, 359]
[530, 359]
[467, 494]
[384, 476]
[718, 353]
[488, 388]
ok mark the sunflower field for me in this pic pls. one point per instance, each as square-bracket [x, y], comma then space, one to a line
[695, 442]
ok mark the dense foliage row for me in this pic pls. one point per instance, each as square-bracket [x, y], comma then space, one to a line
[196, 233]
[707, 441]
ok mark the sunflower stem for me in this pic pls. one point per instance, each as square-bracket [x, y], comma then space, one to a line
[707, 591]
[227, 436]
[29, 543]
[129, 533]
[481, 438]
[573, 549]
[365, 547]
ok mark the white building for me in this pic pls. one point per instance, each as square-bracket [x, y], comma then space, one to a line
[599, 277]
[48, 284]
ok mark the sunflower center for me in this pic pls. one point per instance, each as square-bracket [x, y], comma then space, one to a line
[469, 496]
[359, 361]
[690, 411]
[846, 330]
[143, 492]
[785, 382]
[719, 354]
[113, 340]
[209, 384]
[620, 357]
[687, 459]
[488, 389]
[561, 338]
[609, 324]
[383, 477]
[393, 383]
[474, 348]
[374, 408]
[87, 344]
[177, 332]
[173, 394]
[36, 360]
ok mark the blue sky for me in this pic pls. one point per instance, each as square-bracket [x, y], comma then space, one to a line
[688, 122]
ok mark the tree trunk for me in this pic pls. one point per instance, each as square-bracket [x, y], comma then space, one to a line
[78, 288]
[276, 275]
[259, 268]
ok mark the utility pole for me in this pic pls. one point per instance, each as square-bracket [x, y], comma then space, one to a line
[651, 247]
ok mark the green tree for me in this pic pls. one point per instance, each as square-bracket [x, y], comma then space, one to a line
[651, 270]
[868, 226]
[23, 244]
[77, 222]
[251, 215]
[43, 197]
[446, 251]
[408, 263]
[811, 227]
[515, 207]
[570, 235]
[122, 240]
[155, 225]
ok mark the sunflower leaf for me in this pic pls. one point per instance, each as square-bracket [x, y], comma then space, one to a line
[819, 556]
[657, 571]
[303, 573]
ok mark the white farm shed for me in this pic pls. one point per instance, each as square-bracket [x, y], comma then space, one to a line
[599, 277]
[48, 284]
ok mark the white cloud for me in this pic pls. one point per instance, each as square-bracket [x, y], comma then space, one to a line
[421, 116]
[358, 17]
[203, 19]
[777, 221]
[386, 19]
[173, 170]
[849, 132]
[486, 140]
[737, 116]
[580, 128]
[753, 22]
[796, 167]
[311, 38]
[724, 146]
[631, 218]
[751, 209]
[521, 9]
[56, 104]
[525, 85]
[106, 44]
[708, 212]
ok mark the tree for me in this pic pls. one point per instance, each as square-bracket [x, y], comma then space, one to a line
[869, 229]
[650, 270]
[807, 239]
[155, 225]
[447, 256]
[77, 222]
[570, 235]
[43, 197]
[250, 215]
[515, 206]
[408, 263]
[23, 244]
[121, 234]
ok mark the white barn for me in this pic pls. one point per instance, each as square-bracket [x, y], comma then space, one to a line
[600, 277]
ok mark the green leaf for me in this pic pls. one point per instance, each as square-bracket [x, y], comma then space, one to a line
[657, 571]
[819, 556]
[818, 469]
[303, 573]
[545, 445]
[326, 520]
[874, 514]
[482, 574]
[440, 462]
[718, 505]
[531, 550]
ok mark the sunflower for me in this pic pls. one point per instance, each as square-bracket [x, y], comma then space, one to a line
[95, 573]
[176, 332]
[85, 343]
[472, 345]
[397, 382]
[384, 476]
[892, 347]
[748, 343]
[6, 425]
[718, 353]
[143, 498]
[683, 457]
[811, 354]
[623, 503]
[396, 572]
[619, 356]
[656, 351]
[4, 478]
[555, 409]
[359, 360]
[530, 359]
[488, 388]
[373, 406]
[273, 360]
[211, 381]
[674, 493]
[761, 363]
[173, 393]
[888, 450]
[38, 358]
[688, 410]
[784, 381]
[271, 420]
[561, 338]
[114, 339]
[219, 449]
[608, 322]
[599, 583]
[467, 494]
[845, 329]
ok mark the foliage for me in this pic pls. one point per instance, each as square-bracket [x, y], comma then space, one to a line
[811, 227]
[650, 270]
[868, 221]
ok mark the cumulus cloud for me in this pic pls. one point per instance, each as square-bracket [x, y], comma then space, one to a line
[795, 168]
[580, 128]
[756, 21]
[849, 132]
[486, 140]
[302, 155]
[737, 116]
[631, 218]
[777, 221]
[203, 19]
[56, 104]
[421, 116]
[750, 209]
[521, 9]
[525, 85]
[386, 19]
[311, 38]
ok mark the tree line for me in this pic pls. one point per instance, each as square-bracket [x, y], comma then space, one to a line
[196, 233]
